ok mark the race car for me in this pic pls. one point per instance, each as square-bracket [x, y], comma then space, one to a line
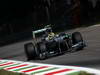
[51, 44]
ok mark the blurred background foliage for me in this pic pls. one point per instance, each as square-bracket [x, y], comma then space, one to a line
[19, 18]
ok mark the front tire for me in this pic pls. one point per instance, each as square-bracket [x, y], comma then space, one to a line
[76, 38]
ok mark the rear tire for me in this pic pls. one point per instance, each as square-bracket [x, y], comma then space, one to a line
[30, 51]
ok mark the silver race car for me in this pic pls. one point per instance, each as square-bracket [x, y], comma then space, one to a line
[51, 44]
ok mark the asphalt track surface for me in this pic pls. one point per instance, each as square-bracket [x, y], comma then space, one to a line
[89, 57]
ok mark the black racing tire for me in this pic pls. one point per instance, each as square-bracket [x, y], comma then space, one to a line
[77, 37]
[42, 54]
[30, 51]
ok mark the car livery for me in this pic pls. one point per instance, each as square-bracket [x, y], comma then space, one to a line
[52, 44]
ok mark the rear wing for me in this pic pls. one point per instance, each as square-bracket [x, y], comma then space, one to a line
[38, 31]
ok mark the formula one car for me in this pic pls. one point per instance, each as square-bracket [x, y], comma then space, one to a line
[52, 45]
